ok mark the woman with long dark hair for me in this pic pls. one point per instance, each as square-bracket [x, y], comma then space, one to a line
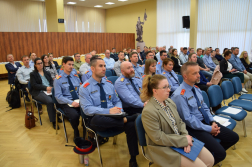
[48, 66]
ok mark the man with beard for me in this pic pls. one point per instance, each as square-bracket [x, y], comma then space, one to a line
[128, 88]
[196, 114]
[97, 97]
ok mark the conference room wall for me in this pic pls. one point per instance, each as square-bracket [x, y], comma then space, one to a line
[60, 43]
[123, 19]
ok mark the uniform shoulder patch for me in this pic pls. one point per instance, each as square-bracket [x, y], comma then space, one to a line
[122, 79]
[196, 86]
[59, 77]
[86, 72]
[76, 75]
[109, 81]
[143, 76]
[86, 84]
[182, 92]
[137, 77]
[163, 72]
[140, 65]
[158, 62]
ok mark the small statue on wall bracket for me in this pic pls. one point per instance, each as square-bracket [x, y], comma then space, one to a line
[139, 28]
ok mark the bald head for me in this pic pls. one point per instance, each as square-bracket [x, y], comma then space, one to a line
[127, 69]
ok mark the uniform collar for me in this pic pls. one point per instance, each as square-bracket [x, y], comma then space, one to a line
[186, 86]
[65, 75]
[127, 78]
[134, 65]
[94, 82]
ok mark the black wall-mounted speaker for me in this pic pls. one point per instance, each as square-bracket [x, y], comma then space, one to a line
[186, 21]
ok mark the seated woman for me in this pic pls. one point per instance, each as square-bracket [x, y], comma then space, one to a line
[245, 61]
[170, 74]
[55, 63]
[228, 72]
[49, 67]
[41, 82]
[149, 67]
[176, 60]
[164, 128]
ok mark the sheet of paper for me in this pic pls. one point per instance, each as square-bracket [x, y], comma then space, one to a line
[223, 121]
[226, 124]
[47, 93]
[77, 101]
[232, 110]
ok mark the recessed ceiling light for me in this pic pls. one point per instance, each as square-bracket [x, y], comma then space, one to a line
[82, 0]
[109, 3]
[71, 3]
[122, 0]
[98, 6]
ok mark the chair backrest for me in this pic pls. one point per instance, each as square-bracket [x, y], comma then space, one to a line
[236, 81]
[215, 95]
[205, 97]
[227, 89]
[180, 78]
[53, 97]
[112, 79]
[108, 73]
[140, 131]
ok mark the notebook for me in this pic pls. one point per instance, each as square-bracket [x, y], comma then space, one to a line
[195, 149]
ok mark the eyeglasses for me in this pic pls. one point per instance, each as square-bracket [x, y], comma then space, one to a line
[39, 63]
[166, 87]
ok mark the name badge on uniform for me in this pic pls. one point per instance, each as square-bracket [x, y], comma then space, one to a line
[190, 98]
[64, 82]
[127, 83]
[94, 91]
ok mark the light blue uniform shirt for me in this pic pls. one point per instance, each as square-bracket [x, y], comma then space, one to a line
[172, 81]
[127, 93]
[90, 99]
[236, 63]
[207, 59]
[139, 71]
[159, 69]
[61, 88]
[109, 63]
[86, 76]
[73, 71]
[188, 109]
[31, 63]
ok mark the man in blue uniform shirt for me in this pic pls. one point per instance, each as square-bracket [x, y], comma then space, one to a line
[98, 96]
[159, 68]
[195, 113]
[128, 88]
[66, 88]
[139, 72]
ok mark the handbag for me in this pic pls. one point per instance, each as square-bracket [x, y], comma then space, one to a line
[30, 119]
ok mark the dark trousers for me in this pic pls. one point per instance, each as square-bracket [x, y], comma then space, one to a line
[103, 123]
[73, 114]
[240, 75]
[23, 87]
[45, 99]
[132, 110]
[227, 137]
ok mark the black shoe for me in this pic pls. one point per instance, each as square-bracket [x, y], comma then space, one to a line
[59, 120]
[102, 140]
[133, 164]
[27, 99]
[54, 126]
[76, 134]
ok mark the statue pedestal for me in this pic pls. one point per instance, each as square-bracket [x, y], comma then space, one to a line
[141, 44]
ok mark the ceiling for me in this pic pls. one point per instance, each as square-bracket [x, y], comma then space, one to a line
[92, 3]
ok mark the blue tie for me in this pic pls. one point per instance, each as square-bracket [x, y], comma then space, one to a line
[175, 78]
[203, 112]
[71, 88]
[103, 96]
[134, 86]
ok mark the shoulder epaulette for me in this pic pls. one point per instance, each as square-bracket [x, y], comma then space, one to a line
[109, 81]
[122, 79]
[86, 72]
[143, 76]
[76, 75]
[158, 62]
[137, 77]
[59, 77]
[140, 65]
[182, 92]
[86, 84]
[163, 72]
[196, 86]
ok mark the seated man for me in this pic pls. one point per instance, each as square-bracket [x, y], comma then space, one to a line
[195, 113]
[149, 55]
[237, 64]
[114, 55]
[159, 68]
[66, 88]
[139, 71]
[143, 53]
[140, 61]
[33, 56]
[203, 68]
[128, 88]
[77, 62]
[204, 83]
[169, 52]
[213, 53]
[98, 96]
[23, 74]
[86, 66]
[207, 59]
[12, 68]
[184, 57]
[93, 52]
[109, 61]
[117, 66]
[218, 56]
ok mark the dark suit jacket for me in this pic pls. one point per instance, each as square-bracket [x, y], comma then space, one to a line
[114, 56]
[143, 55]
[56, 64]
[246, 65]
[176, 66]
[36, 82]
[224, 66]
[10, 68]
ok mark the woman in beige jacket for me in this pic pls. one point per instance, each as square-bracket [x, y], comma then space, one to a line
[164, 128]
